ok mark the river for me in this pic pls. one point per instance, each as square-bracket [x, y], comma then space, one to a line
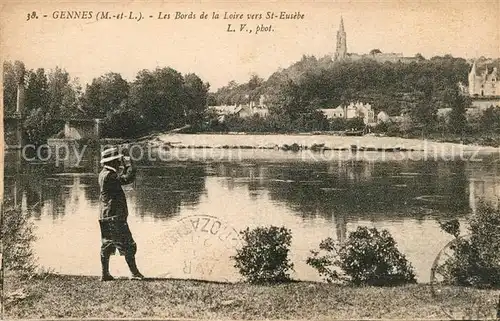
[186, 211]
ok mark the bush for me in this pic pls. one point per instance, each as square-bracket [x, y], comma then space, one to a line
[476, 259]
[17, 238]
[368, 257]
[264, 254]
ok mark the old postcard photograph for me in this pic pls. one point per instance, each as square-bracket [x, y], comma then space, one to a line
[250, 160]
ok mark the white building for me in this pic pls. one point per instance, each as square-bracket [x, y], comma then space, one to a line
[485, 83]
[484, 87]
[243, 110]
[382, 117]
[353, 110]
[331, 113]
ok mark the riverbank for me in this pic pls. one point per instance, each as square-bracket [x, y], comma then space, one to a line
[60, 296]
[316, 142]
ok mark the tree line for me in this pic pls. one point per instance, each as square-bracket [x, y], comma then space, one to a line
[413, 91]
[156, 100]
[162, 99]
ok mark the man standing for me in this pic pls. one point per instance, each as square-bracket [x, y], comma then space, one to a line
[115, 233]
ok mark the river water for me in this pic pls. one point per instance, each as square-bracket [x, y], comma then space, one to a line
[186, 211]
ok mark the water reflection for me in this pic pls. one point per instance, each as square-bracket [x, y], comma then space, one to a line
[315, 199]
[161, 191]
[56, 191]
[357, 189]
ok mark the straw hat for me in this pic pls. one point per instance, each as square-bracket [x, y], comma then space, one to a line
[110, 154]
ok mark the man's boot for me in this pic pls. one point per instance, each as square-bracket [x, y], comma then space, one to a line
[105, 268]
[136, 275]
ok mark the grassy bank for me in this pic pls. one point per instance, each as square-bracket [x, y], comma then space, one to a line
[59, 296]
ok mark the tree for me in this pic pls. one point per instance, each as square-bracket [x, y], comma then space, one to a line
[123, 122]
[423, 111]
[255, 82]
[356, 123]
[490, 120]
[159, 97]
[211, 99]
[40, 121]
[10, 81]
[105, 94]
[373, 52]
[36, 94]
[63, 97]
[289, 101]
[458, 104]
[49, 99]
[419, 57]
[37, 125]
[196, 99]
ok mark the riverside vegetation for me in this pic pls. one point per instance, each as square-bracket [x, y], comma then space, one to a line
[162, 99]
[357, 274]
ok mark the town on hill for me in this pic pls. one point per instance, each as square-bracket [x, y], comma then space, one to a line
[385, 93]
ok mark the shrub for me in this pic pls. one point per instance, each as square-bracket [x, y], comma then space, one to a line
[368, 257]
[17, 238]
[476, 259]
[264, 254]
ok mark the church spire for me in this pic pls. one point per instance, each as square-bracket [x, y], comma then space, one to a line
[473, 70]
[341, 52]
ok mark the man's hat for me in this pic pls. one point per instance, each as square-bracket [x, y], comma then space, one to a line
[110, 154]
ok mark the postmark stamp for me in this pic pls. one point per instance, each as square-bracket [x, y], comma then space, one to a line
[202, 246]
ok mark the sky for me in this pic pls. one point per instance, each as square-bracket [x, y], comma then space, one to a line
[90, 48]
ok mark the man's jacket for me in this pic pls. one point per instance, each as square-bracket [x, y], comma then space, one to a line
[112, 198]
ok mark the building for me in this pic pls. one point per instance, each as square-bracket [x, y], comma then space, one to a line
[484, 87]
[383, 117]
[332, 113]
[242, 110]
[341, 53]
[485, 83]
[341, 50]
[353, 110]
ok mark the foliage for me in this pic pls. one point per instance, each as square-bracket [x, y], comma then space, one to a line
[13, 73]
[64, 95]
[163, 98]
[490, 120]
[264, 255]
[368, 257]
[458, 104]
[123, 123]
[196, 95]
[158, 96]
[417, 89]
[50, 98]
[105, 94]
[475, 259]
[157, 100]
[17, 238]
[234, 93]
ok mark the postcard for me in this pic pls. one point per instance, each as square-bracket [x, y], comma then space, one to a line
[250, 160]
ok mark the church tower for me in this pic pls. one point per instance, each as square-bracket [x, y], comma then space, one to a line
[341, 52]
[472, 79]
